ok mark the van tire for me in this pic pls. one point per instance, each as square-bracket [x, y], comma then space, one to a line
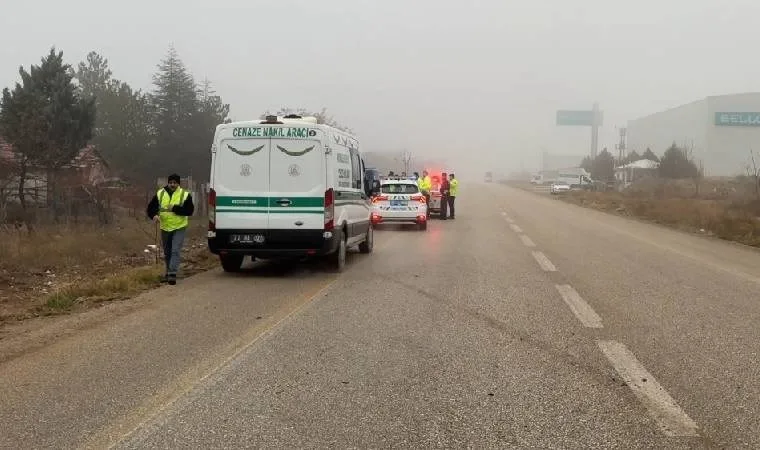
[337, 259]
[423, 226]
[231, 263]
[369, 241]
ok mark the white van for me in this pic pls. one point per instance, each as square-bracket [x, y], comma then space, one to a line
[286, 187]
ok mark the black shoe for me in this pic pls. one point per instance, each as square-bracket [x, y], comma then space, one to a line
[172, 280]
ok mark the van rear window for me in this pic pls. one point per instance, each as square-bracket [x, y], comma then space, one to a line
[399, 189]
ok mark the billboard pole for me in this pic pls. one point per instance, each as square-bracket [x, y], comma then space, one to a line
[589, 118]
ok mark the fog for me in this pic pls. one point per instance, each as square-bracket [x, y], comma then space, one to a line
[477, 82]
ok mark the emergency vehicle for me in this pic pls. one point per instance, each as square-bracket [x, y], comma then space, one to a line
[399, 200]
[286, 188]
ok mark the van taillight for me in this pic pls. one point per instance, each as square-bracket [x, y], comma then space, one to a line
[418, 198]
[211, 210]
[329, 209]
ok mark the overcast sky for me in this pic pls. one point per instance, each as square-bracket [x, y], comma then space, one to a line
[477, 82]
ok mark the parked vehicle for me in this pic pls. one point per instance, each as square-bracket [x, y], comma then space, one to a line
[286, 187]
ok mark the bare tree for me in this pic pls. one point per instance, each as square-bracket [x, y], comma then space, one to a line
[753, 173]
[699, 173]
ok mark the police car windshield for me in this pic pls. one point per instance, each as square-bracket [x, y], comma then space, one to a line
[400, 188]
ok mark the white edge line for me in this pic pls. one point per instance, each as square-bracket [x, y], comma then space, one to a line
[582, 310]
[515, 228]
[671, 419]
[544, 262]
[528, 242]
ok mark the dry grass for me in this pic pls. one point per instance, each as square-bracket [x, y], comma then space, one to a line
[61, 269]
[114, 287]
[724, 211]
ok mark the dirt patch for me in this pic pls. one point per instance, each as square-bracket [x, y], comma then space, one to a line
[59, 270]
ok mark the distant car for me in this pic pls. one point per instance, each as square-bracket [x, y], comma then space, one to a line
[559, 187]
[399, 201]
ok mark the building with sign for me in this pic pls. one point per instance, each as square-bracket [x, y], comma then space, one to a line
[720, 131]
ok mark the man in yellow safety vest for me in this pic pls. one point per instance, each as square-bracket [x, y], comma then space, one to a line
[171, 207]
[453, 191]
[425, 184]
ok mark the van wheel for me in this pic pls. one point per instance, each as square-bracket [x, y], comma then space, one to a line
[338, 258]
[423, 226]
[369, 241]
[231, 263]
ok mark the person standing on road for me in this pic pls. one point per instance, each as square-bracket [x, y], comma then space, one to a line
[445, 187]
[453, 191]
[425, 184]
[170, 208]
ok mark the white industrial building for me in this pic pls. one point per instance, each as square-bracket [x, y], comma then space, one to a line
[721, 130]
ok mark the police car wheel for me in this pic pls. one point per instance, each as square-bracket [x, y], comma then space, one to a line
[369, 241]
[231, 263]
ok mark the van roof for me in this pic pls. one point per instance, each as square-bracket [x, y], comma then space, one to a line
[306, 120]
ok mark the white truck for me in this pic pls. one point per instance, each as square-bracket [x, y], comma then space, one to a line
[286, 188]
[576, 178]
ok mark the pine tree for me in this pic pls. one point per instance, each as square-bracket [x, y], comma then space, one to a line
[676, 164]
[122, 131]
[649, 154]
[175, 104]
[45, 118]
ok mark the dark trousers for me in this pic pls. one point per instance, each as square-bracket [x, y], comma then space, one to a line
[451, 199]
[426, 194]
[444, 205]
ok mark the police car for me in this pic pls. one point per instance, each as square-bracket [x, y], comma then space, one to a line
[399, 200]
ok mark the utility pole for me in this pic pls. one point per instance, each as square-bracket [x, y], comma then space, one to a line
[595, 121]
[406, 158]
[621, 146]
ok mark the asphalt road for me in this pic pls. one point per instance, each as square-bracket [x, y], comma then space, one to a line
[526, 322]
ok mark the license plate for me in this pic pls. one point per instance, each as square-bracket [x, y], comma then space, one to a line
[399, 202]
[242, 238]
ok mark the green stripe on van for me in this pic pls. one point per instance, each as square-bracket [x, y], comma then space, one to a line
[263, 202]
[271, 211]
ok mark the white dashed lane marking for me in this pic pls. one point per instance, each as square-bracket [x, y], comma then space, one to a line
[671, 419]
[527, 241]
[544, 262]
[588, 317]
[515, 228]
[507, 218]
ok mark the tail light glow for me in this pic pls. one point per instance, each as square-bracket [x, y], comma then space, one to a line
[418, 198]
[211, 210]
[329, 209]
[379, 198]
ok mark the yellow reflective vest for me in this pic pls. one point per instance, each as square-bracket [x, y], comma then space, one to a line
[425, 184]
[169, 220]
[453, 187]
